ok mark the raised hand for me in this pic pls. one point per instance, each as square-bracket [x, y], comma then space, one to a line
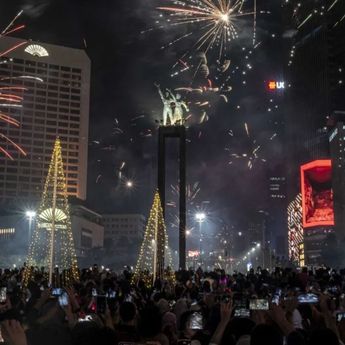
[226, 311]
[13, 333]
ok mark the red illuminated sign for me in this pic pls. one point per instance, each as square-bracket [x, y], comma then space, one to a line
[317, 194]
[276, 85]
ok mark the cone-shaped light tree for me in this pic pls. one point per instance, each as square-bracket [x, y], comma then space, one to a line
[52, 242]
[154, 261]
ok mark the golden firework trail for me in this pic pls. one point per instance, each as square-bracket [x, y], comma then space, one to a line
[214, 21]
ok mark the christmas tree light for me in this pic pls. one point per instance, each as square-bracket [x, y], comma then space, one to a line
[52, 242]
[154, 252]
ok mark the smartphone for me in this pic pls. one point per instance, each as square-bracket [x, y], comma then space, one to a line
[56, 292]
[3, 295]
[184, 342]
[276, 297]
[85, 319]
[258, 304]
[340, 316]
[332, 290]
[63, 300]
[196, 321]
[128, 298]
[225, 298]
[310, 298]
[242, 312]
[101, 303]
[111, 294]
[240, 302]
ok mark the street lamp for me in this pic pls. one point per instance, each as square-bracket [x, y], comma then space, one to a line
[129, 184]
[30, 215]
[200, 217]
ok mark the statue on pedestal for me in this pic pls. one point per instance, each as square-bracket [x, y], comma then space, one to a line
[174, 107]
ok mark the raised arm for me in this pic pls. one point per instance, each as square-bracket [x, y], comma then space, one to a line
[172, 95]
[184, 105]
[160, 92]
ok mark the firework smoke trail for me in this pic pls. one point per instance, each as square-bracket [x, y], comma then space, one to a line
[254, 24]
[9, 26]
[214, 21]
[11, 96]
[247, 129]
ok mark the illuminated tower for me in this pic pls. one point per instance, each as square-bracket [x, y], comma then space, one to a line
[154, 251]
[52, 242]
[295, 226]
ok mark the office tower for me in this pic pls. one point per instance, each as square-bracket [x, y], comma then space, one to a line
[56, 103]
[315, 73]
[315, 76]
[295, 227]
[337, 148]
[123, 234]
[119, 228]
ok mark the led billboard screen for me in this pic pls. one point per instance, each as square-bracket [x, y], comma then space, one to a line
[317, 194]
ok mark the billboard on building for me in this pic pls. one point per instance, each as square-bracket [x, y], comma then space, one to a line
[317, 194]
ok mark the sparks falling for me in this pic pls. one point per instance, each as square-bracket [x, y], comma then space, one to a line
[213, 21]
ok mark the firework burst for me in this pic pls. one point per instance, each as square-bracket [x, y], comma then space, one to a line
[11, 96]
[212, 21]
[250, 156]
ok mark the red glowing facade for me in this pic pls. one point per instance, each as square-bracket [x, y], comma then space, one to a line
[317, 194]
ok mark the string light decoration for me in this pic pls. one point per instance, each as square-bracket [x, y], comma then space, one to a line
[154, 252]
[52, 242]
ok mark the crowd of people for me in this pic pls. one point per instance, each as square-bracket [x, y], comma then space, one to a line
[285, 306]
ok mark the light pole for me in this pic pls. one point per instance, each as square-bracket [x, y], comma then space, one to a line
[30, 215]
[200, 218]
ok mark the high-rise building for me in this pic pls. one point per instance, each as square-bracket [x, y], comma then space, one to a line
[123, 234]
[316, 75]
[337, 148]
[56, 103]
[295, 227]
[88, 230]
[120, 227]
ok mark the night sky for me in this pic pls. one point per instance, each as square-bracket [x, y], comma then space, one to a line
[125, 65]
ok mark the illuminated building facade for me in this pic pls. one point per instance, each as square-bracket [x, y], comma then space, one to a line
[276, 222]
[317, 208]
[295, 230]
[277, 187]
[315, 71]
[57, 106]
[123, 234]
